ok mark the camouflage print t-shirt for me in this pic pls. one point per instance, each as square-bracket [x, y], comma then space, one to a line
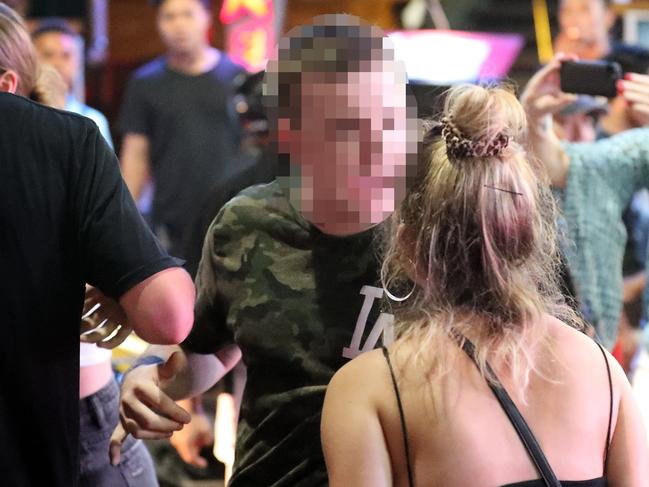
[299, 304]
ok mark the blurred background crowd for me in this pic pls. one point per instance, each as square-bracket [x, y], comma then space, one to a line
[175, 86]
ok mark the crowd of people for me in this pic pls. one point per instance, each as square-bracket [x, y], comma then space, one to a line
[441, 302]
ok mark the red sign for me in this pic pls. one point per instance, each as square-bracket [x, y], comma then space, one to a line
[250, 31]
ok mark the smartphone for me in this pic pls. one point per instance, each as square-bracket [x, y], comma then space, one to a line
[596, 78]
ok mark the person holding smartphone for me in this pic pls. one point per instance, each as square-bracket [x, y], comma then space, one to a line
[596, 182]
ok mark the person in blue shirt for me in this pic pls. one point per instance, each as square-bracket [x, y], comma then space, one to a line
[59, 45]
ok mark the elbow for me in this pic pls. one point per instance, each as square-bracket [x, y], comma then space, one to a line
[162, 309]
[167, 327]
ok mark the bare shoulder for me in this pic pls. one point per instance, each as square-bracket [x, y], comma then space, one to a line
[566, 336]
[361, 375]
[580, 351]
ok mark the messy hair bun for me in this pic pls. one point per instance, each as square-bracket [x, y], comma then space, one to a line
[476, 237]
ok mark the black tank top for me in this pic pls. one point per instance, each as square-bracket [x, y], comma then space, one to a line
[598, 482]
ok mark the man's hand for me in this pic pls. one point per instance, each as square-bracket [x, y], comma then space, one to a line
[146, 412]
[189, 441]
[103, 318]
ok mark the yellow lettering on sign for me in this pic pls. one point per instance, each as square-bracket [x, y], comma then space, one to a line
[258, 8]
[255, 46]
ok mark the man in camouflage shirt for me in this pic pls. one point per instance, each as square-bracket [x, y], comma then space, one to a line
[289, 277]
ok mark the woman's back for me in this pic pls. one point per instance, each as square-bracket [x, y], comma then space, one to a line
[459, 435]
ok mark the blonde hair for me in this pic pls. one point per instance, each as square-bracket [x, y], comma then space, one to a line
[17, 51]
[476, 239]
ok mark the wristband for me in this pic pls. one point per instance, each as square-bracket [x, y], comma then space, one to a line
[146, 360]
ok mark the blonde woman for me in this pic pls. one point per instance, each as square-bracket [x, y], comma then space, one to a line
[480, 322]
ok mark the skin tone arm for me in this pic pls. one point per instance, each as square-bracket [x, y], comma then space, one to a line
[135, 163]
[542, 98]
[633, 286]
[635, 89]
[148, 392]
[352, 437]
[161, 308]
[627, 458]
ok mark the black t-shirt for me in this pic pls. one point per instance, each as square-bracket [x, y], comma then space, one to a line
[193, 134]
[66, 218]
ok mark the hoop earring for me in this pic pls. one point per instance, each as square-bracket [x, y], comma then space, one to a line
[398, 299]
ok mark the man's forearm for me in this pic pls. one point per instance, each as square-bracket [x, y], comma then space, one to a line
[135, 176]
[198, 374]
[633, 286]
[135, 163]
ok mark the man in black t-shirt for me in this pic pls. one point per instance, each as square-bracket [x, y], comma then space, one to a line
[66, 219]
[180, 128]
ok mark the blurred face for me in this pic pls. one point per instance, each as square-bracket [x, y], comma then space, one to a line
[579, 127]
[351, 149]
[584, 23]
[183, 25]
[62, 52]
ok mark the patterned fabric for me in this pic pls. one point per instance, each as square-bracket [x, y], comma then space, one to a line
[458, 146]
[291, 298]
[602, 179]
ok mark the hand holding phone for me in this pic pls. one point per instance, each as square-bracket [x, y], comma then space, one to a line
[596, 78]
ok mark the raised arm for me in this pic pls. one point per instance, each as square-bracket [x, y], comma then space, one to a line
[542, 98]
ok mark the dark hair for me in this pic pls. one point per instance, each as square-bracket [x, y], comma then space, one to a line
[206, 3]
[54, 25]
[334, 45]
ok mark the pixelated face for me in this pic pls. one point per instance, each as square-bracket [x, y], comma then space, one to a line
[183, 24]
[62, 51]
[351, 148]
[584, 21]
[345, 128]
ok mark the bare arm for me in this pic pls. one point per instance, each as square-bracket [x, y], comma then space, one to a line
[541, 99]
[197, 372]
[628, 459]
[147, 407]
[546, 147]
[135, 163]
[161, 308]
[352, 437]
[633, 286]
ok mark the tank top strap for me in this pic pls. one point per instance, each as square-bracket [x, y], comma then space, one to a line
[610, 410]
[402, 416]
